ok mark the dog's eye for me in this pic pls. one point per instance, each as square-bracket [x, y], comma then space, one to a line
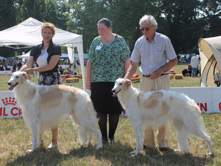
[16, 77]
[120, 84]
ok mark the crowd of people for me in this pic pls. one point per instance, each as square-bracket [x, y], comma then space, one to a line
[8, 65]
[193, 69]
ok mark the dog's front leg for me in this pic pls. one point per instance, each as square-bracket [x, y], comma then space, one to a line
[35, 135]
[139, 139]
[34, 138]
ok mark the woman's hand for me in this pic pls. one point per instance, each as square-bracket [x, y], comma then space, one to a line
[29, 70]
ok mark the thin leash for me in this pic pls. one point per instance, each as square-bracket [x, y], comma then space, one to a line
[158, 81]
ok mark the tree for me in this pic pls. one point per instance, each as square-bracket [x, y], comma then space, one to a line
[180, 20]
[126, 14]
[85, 15]
[209, 12]
[184, 22]
[7, 19]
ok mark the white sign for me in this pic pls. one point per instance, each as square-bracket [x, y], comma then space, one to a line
[6, 72]
[207, 98]
[8, 105]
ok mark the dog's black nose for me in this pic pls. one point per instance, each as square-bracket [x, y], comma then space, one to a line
[9, 83]
[112, 91]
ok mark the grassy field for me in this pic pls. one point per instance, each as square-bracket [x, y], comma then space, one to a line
[16, 140]
[185, 82]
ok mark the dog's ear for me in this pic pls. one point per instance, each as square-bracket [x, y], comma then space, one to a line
[127, 83]
[25, 75]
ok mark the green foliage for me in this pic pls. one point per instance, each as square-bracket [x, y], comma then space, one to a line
[7, 19]
[184, 22]
[86, 14]
[8, 13]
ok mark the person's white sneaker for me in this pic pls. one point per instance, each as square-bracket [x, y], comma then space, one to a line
[53, 146]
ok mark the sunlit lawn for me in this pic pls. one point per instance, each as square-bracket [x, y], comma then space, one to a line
[15, 140]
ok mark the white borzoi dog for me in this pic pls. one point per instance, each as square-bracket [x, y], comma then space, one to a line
[156, 108]
[43, 107]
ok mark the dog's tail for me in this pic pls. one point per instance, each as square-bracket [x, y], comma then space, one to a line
[84, 135]
[86, 120]
[193, 120]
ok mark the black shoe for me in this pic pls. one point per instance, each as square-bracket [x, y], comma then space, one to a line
[148, 147]
[111, 140]
[104, 141]
[144, 147]
[164, 149]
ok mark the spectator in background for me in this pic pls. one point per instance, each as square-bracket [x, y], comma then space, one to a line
[76, 65]
[61, 70]
[195, 64]
[14, 66]
[19, 64]
[188, 71]
[7, 68]
[1, 67]
[69, 70]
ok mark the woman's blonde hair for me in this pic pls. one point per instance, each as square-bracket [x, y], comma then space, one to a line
[48, 25]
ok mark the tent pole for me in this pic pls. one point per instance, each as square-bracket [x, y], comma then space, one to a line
[81, 57]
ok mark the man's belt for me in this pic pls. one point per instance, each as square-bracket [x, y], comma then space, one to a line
[150, 74]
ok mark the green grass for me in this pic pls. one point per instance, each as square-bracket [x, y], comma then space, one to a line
[15, 140]
[185, 82]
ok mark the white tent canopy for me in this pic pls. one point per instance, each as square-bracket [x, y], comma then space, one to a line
[28, 33]
[210, 55]
[1, 58]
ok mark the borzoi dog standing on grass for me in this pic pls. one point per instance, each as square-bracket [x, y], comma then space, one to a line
[156, 108]
[43, 107]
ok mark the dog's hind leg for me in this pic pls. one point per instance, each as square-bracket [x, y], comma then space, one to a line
[94, 130]
[206, 138]
[195, 126]
[182, 135]
[89, 136]
[183, 140]
[98, 135]
[202, 134]
[82, 135]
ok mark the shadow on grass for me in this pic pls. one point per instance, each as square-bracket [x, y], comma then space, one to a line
[116, 154]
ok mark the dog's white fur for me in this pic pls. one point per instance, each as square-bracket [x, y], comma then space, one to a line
[44, 107]
[156, 108]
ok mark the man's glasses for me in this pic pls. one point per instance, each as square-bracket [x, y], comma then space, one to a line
[147, 29]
